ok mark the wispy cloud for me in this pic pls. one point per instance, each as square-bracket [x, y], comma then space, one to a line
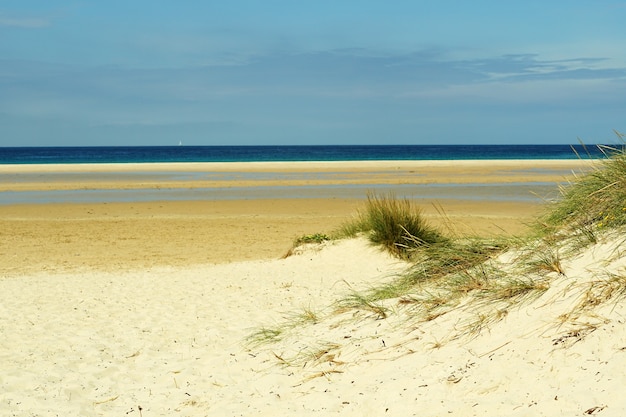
[530, 67]
[306, 93]
[23, 22]
[333, 75]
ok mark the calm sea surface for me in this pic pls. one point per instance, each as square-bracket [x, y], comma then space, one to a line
[77, 155]
[139, 154]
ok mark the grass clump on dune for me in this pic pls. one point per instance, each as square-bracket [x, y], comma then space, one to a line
[440, 276]
[483, 278]
[446, 271]
[395, 224]
[312, 238]
[594, 202]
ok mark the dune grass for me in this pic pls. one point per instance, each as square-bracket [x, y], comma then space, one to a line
[446, 270]
[312, 238]
[444, 275]
[489, 276]
[395, 224]
[592, 203]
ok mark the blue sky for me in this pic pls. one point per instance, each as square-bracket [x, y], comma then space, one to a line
[311, 72]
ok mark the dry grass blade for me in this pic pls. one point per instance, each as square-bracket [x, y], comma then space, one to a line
[600, 292]
[515, 289]
[325, 374]
[546, 259]
[363, 302]
[265, 335]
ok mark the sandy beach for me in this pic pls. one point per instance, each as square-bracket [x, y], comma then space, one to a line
[257, 174]
[220, 228]
[146, 308]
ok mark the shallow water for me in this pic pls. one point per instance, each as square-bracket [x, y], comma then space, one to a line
[523, 192]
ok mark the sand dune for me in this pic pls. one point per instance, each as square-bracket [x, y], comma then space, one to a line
[167, 339]
[159, 308]
[172, 341]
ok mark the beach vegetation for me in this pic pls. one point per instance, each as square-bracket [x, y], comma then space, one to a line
[312, 238]
[545, 258]
[597, 292]
[513, 289]
[363, 301]
[325, 352]
[265, 335]
[593, 202]
[483, 279]
[268, 335]
[395, 224]
[307, 316]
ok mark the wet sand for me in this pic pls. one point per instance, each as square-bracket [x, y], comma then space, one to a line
[116, 308]
[139, 234]
[256, 174]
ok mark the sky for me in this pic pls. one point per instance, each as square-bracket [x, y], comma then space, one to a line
[279, 72]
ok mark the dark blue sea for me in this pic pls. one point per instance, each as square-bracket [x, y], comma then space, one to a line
[79, 155]
[143, 154]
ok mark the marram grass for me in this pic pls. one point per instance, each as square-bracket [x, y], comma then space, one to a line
[395, 224]
[592, 203]
[447, 272]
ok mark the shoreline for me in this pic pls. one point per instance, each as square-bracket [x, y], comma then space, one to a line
[182, 224]
[289, 165]
[299, 174]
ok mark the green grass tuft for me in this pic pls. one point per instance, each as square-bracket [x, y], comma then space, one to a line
[594, 202]
[395, 224]
[265, 335]
[366, 302]
[448, 273]
[312, 238]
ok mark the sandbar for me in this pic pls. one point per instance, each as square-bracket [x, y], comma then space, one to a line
[245, 174]
[126, 235]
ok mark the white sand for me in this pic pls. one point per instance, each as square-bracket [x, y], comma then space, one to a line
[168, 340]
[171, 341]
[318, 166]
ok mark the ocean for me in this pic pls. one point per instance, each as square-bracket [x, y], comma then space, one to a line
[127, 155]
[144, 154]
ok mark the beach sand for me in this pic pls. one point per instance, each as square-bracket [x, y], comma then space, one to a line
[126, 235]
[146, 308]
